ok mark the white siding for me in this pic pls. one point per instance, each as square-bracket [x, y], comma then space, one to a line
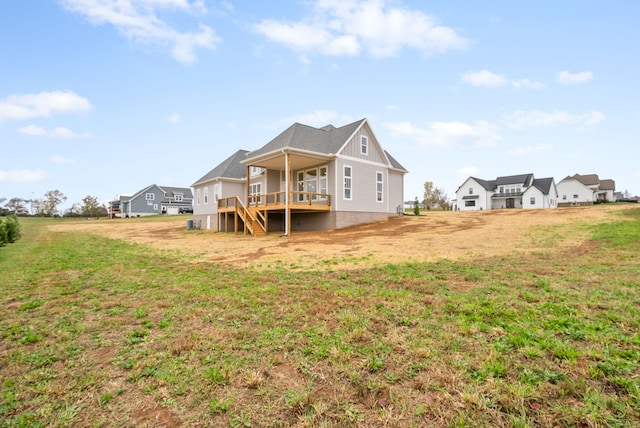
[574, 192]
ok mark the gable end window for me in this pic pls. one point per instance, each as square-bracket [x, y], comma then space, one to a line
[206, 196]
[471, 190]
[150, 196]
[533, 201]
[347, 173]
[364, 145]
[379, 182]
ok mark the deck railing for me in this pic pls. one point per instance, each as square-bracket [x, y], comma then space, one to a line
[296, 199]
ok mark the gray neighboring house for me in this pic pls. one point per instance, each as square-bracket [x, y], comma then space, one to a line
[306, 178]
[153, 200]
[513, 191]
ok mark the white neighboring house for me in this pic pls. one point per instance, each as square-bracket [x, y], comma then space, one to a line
[514, 191]
[585, 190]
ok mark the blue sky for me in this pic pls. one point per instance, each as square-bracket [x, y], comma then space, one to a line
[105, 97]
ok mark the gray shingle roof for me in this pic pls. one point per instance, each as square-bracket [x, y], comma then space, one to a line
[172, 191]
[543, 184]
[325, 140]
[394, 163]
[525, 179]
[229, 168]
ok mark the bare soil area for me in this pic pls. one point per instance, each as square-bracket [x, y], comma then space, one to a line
[432, 236]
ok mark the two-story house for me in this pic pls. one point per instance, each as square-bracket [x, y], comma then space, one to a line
[585, 190]
[152, 200]
[514, 191]
[306, 178]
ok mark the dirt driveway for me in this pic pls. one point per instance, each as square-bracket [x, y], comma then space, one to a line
[429, 237]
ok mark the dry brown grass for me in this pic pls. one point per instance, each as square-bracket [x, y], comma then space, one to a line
[430, 237]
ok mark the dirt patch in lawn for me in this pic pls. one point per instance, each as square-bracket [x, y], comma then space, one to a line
[432, 236]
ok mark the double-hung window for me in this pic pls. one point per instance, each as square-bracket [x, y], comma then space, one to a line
[379, 183]
[364, 145]
[347, 174]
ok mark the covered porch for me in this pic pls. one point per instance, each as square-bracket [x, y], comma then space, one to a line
[310, 195]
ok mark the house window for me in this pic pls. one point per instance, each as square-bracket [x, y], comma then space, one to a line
[206, 195]
[197, 196]
[150, 196]
[347, 182]
[322, 183]
[469, 203]
[501, 189]
[178, 198]
[155, 207]
[564, 197]
[364, 145]
[575, 196]
[471, 190]
[379, 186]
[255, 190]
[216, 191]
[533, 201]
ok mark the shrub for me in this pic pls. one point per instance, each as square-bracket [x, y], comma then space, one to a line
[9, 230]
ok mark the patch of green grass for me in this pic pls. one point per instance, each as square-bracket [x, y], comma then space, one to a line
[543, 340]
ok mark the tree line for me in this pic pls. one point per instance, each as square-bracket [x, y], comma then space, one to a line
[49, 206]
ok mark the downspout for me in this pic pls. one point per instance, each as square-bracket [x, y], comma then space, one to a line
[286, 194]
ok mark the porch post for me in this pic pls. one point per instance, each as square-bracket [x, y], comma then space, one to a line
[287, 210]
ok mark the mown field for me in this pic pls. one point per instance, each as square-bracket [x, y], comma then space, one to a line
[103, 332]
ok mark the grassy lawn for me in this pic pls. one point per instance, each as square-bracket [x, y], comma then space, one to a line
[98, 332]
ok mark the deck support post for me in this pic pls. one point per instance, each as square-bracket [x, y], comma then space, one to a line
[287, 210]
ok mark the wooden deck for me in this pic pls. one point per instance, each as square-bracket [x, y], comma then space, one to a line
[254, 216]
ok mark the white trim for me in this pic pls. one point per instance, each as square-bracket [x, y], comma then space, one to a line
[381, 200]
[365, 161]
[344, 184]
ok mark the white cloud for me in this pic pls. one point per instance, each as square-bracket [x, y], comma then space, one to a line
[21, 176]
[43, 104]
[567, 78]
[484, 78]
[526, 84]
[488, 79]
[447, 134]
[537, 119]
[139, 20]
[467, 171]
[349, 27]
[529, 150]
[60, 159]
[174, 118]
[59, 132]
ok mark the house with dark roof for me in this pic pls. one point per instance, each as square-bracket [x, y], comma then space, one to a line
[514, 191]
[306, 178]
[585, 190]
[152, 200]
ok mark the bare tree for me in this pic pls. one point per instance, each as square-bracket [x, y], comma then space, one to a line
[434, 196]
[52, 199]
[17, 206]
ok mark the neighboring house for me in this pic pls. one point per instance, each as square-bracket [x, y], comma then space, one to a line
[585, 190]
[306, 178]
[152, 200]
[514, 191]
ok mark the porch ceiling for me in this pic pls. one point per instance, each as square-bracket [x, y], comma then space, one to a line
[296, 161]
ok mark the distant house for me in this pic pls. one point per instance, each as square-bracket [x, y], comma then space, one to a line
[514, 191]
[152, 200]
[306, 178]
[585, 190]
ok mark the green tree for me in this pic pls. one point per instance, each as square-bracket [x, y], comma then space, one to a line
[434, 196]
[52, 199]
[416, 207]
[91, 207]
